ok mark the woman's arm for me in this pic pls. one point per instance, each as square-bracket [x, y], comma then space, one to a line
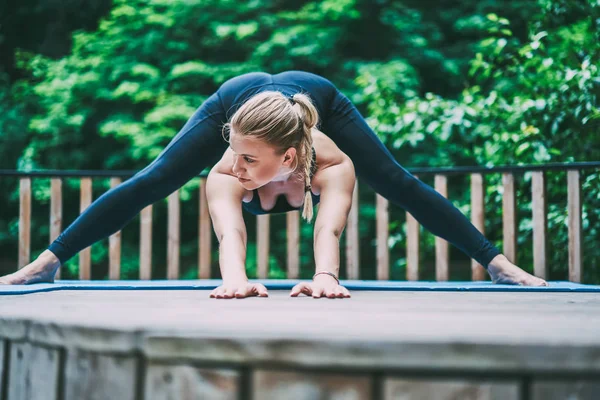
[224, 195]
[336, 184]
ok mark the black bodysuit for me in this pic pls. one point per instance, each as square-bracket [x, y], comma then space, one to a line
[199, 145]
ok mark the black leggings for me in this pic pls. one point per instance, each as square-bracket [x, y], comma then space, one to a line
[199, 144]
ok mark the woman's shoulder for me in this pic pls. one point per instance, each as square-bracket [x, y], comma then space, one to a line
[327, 152]
[330, 159]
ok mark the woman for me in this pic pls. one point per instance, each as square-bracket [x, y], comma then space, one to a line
[280, 128]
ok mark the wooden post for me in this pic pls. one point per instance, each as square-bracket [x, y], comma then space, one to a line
[174, 236]
[539, 216]
[56, 214]
[205, 237]
[24, 222]
[293, 244]
[574, 210]
[352, 238]
[383, 252]
[442, 257]
[85, 255]
[478, 272]
[412, 247]
[114, 246]
[146, 243]
[509, 217]
[263, 234]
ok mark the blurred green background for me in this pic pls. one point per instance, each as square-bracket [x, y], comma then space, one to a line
[102, 84]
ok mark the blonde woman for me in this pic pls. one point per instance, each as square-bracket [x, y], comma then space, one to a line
[278, 143]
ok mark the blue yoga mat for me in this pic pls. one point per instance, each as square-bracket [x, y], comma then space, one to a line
[287, 284]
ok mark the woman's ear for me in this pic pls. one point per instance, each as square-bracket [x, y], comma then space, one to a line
[289, 157]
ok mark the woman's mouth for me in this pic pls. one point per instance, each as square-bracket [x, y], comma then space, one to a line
[243, 180]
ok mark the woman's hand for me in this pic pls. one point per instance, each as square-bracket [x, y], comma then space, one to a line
[321, 286]
[239, 289]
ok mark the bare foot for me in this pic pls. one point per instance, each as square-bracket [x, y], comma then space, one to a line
[42, 270]
[503, 271]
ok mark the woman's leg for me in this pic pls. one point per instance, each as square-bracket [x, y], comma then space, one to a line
[375, 165]
[197, 145]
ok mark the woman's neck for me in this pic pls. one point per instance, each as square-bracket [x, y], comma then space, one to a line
[285, 175]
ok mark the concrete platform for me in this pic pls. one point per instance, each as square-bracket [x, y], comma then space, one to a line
[163, 344]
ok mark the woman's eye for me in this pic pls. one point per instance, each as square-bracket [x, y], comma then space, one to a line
[248, 160]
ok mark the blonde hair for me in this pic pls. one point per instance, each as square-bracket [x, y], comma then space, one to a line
[282, 122]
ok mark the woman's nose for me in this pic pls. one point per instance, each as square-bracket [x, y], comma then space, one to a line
[236, 166]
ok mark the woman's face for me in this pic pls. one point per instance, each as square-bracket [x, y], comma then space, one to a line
[256, 163]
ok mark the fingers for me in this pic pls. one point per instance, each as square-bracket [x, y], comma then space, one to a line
[260, 290]
[302, 287]
[215, 292]
[317, 291]
[223, 292]
[257, 289]
[229, 292]
[338, 292]
[220, 293]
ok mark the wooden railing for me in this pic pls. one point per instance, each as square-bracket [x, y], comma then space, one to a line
[539, 221]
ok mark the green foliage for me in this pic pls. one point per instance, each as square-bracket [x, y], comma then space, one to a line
[476, 82]
[528, 103]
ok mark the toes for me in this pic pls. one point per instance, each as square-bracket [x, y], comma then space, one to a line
[534, 281]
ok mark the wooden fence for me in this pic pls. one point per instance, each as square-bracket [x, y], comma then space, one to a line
[539, 220]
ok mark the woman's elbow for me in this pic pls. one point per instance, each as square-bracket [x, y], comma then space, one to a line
[329, 230]
[231, 233]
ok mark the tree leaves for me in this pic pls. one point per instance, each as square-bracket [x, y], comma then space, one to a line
[474, 82]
